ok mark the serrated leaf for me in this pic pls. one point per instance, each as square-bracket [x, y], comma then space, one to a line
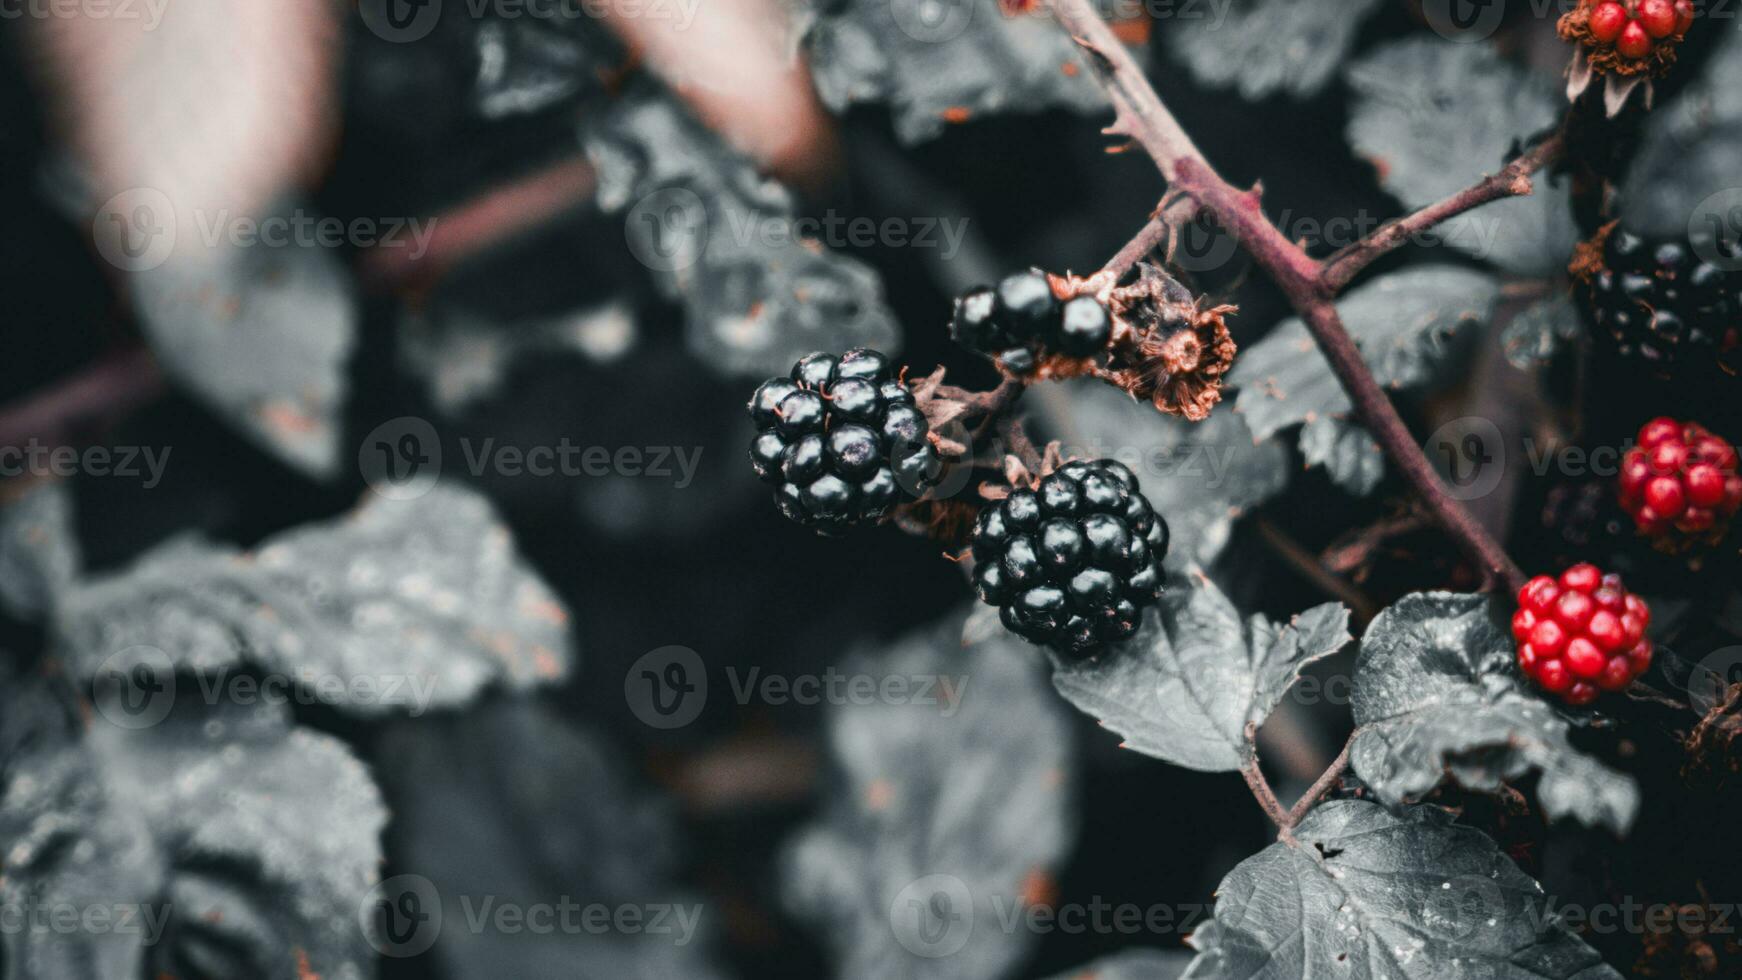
[1386, 896]
[261, 335]
[720, 238]
[944, 814]
[1403, 324]
[1200, 476]
[1436, 696]
[1348, 452]
[1133, 964]
[39, 549]
[1266, 46]
[1435, 117]
[463, 357]
[933, 63]
[1185, 687]
[563, 823]
[234, 844]
[399, 607]
[1542, 329]
[1684, 174]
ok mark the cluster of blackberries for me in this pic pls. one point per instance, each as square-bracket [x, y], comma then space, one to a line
[1072, 563]
[1021, 316]
[1662, 304]
[841, 440]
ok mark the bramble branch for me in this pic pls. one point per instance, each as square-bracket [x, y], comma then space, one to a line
[1513, 180]
[1325, 783]
[1260, 786]
[1141, 116]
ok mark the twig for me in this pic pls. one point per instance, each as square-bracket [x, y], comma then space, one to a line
[1261, 787]
[1141, 116]
[1017, 443]
[1309, 567]
[1357, 550]
[1323, 785]
[1158, 229]
[1513, 180]
[96, 396]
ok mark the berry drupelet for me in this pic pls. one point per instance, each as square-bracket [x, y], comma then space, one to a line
[1073, 562]
[1680, 483]
[1021, 316]
[1664, 307]
[841, 440]
[1581, 634]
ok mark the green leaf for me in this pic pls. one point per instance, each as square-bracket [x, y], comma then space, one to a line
[1265, 46]
[235, 843]
[1437, 697]
[1349, 454]
[464, 357]
[941, 812]
[720, 238]
[1185, 687]
[1372, 895]
[402, 606]
[929, 61]
[1200, 475]
[1542, 329]
[1403, 323]
[1435, 117]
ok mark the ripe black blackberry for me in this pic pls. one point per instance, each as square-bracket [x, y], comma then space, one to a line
[841, 440]
[1073, 562]
[1661, 305]
[1021, 317]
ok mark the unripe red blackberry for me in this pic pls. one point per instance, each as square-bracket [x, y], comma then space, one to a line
[1680, 482]
[841, 440]
[1581, 634]
[1072, 562]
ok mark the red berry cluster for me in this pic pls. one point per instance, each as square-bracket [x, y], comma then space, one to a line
[1582, 634]
[1680, 478]
[1636, 27]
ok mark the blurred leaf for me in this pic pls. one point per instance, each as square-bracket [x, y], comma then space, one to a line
[262, 335]
[529, 64]
[464, 357]
[221, 841]
[1266, 46]
[1199, 475]
[1403, 324]
[1435, 117]
[1184, 688]
[1543, 328]
[39, 549]
[720, 238]
[1684, 172]
[940, 61]
[943, 814]
[562, 823]
[1349, 454]
[402, 605]
[1133, 964]
[1437, 697]
[1382, 895]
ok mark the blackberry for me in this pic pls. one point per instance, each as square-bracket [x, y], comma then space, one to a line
[1663, 306]
[1022, 316]
[841, 440]
[1073, 562]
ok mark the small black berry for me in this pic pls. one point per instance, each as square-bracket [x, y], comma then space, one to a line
[1018, 361]
[1084, 327]
[1073, 563]
[1026, 307]
[975, 323]
[841, 440]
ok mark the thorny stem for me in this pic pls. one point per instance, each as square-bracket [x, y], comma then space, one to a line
[1261, 787]
[1324, 784]
[1140, 115]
